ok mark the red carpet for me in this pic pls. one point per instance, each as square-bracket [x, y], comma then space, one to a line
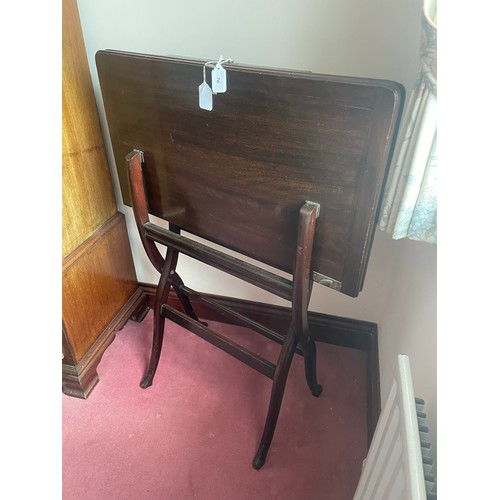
[193, 433]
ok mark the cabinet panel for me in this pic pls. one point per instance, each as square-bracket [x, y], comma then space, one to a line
[88, 198]
[97, 281]
[99, 285]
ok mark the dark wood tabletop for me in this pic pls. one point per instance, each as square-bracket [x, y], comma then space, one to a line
[239, 174]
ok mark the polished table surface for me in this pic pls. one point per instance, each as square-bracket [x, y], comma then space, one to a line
[238, 175]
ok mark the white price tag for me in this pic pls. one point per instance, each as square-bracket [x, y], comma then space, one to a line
[219, 82]
[205, 93]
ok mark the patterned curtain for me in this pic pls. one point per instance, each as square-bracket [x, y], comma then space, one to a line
[409, 206]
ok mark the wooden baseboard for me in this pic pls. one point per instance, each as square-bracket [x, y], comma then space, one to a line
[345, 332]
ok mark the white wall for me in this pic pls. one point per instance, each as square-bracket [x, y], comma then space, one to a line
[376, 39]
[408, 321]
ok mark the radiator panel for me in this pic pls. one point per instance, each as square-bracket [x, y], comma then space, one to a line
[393, 468]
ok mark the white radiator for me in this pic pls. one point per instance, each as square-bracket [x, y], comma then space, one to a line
[398, 465]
